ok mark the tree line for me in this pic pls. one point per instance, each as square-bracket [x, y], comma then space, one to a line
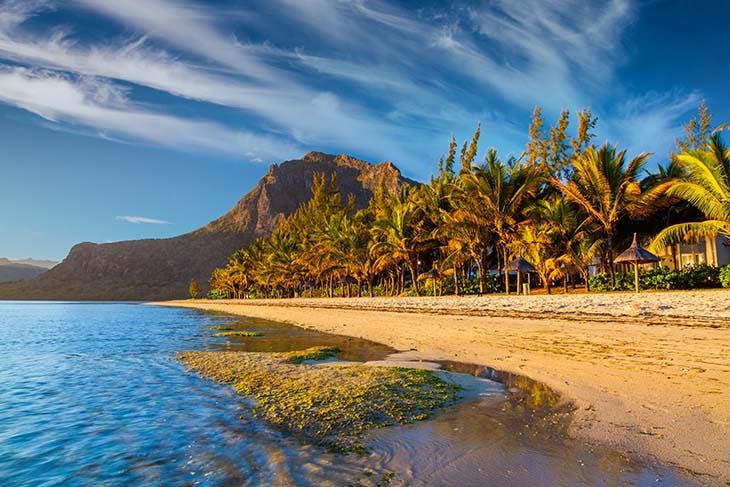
[559, 205]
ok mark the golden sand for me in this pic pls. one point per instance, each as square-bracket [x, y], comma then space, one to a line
[648, 373]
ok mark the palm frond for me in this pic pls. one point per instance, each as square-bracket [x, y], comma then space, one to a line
[687, 232]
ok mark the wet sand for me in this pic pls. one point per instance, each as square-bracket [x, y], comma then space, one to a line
[648, 374]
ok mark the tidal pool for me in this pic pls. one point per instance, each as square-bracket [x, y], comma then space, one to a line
[91, 395]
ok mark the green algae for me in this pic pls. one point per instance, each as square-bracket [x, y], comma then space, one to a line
[239, 333]
[328, 405]
[314, 353]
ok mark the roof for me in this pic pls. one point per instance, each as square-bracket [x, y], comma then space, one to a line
[520, 264]
[637, 254]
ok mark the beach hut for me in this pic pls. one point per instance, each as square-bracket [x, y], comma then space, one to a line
[520, 265]
[636, 255]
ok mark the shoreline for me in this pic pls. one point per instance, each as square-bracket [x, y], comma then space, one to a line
[649, 373]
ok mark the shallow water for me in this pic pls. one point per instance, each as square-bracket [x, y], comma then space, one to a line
[91, 394]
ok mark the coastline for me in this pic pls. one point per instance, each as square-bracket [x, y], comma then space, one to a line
[648, 373]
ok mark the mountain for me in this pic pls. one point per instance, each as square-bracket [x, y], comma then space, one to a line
[155, 269]
[17, 270]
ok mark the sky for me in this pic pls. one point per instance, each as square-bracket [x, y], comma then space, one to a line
[149, 118]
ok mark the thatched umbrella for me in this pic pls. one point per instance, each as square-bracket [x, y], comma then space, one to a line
[637, 255]
[520, 265]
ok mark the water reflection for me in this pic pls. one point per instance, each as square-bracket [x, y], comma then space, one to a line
[283, 337]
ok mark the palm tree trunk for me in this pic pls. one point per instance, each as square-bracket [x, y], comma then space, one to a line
[456, 281]
[482, 268]
[506, 272]
[414, 277]
[519, 281]
[609, 255]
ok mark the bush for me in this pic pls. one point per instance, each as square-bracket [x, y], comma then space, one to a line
[216, 294]
[702, 276]
[724, 276]
[602, 282]
[690, 277]
[471, 285]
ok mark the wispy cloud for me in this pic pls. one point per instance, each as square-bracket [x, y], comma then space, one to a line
[97, 103]
[142, 219]
[306, 116]
[189, 27]
[369, 77]
[651, 122]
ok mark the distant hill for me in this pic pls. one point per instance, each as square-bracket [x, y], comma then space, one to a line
[17, 270]
[46, 264]
[154, 269]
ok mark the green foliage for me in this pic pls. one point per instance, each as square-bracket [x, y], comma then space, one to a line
[471, 286]
[661, 278]
[706, 186]
[724, 276]
[601, 282]
[217, 294]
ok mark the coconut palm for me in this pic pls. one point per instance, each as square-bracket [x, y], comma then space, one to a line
[534, 244]
[398, 239]
[282, 267]
[495, 195]
[608, 189]
[707, 187]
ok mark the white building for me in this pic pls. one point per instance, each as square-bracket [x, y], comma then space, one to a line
[711, 251]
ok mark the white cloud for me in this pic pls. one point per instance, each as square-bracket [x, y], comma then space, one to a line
[188, 27]
[96, 103]
[293, 110]
[368, 77]
[142, 219]
[651, 122]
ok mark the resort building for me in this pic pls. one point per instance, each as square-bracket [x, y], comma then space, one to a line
[711, 251]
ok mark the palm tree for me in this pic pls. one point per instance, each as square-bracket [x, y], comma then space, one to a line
[496, 195]
[707, 187]
[534, 244]
[399, 239]
[608, 189]
[283, 267]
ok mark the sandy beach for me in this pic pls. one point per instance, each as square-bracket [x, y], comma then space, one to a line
[648, 373]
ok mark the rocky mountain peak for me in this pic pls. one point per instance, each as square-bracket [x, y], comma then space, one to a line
[161, 268]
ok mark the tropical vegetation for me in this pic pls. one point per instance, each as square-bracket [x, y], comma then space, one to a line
[565, 206]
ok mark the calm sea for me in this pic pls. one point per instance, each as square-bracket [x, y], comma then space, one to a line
[90, 394]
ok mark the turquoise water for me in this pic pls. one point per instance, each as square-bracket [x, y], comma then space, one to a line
[90, 394]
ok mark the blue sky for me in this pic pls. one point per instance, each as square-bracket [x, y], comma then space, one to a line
[149, 118]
